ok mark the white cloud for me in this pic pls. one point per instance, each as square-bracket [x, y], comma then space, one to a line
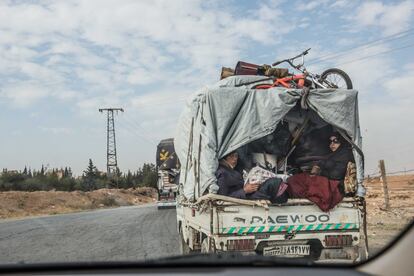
[385, 105]
[108, 46]
[339, 4]
[387, 134]
[400, 86]
[311, 5]
[91, 103]
[160, 104]
[142, 76]
[65, 94]
[39, 72]
[24, 94]
[391, 18]
[57, 130]
[158, 111]
[367, 74]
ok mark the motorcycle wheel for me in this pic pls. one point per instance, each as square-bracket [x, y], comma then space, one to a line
[336, 78]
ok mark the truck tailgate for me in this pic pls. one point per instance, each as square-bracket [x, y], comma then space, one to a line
[244, 220]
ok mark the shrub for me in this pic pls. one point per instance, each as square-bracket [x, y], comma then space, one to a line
[109, 201]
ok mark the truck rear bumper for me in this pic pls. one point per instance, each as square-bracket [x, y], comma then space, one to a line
[166, 204]
[328, 255]
[317, 251]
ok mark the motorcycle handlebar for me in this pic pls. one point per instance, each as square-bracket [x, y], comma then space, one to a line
[304, 53]
[278, 62]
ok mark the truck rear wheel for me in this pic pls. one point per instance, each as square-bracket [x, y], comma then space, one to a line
[184, 248]
[204, 246]
[363, 254]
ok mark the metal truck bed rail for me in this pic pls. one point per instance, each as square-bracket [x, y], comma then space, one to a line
[226, 200]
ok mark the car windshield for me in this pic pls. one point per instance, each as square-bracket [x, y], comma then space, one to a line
[143, 130]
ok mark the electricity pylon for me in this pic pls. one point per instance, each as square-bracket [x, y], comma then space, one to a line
[111, 160]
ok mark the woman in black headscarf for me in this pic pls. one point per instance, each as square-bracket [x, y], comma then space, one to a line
[324, 185]
[335, 165]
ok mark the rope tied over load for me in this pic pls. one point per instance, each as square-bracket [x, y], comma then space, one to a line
[304, 96]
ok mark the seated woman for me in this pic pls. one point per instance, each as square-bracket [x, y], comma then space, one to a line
[231, 183]
[323, 185]
[334, 166]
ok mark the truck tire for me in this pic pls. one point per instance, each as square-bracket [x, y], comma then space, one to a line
[363, 254]
[204, 246]
[184, 248]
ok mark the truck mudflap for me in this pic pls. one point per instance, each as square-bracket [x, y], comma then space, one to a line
[330, 255]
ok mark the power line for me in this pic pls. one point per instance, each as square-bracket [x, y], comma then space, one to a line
[397, 172]
[397, 181]
[138, 125]
[165, 101]
[402, 147]
[136, 134]
[376, 174]
[133, 131]
[363, 46]
[144, 132]
[135, 127]
[377, 54]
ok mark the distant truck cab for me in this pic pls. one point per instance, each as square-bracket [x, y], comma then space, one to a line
[168, 168]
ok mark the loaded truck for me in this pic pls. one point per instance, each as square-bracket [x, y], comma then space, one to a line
[168, 168]
[227, 117]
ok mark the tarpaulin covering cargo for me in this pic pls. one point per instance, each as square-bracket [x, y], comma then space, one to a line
[228, 115]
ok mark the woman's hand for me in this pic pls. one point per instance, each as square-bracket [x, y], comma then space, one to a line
[251, 187]
[316, 170]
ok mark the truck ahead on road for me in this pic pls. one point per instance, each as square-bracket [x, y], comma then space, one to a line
[230, 115]
[168, 169]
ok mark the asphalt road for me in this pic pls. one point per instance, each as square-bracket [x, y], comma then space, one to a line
[120, 234]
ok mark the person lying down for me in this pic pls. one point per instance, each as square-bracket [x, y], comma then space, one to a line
[231, 182]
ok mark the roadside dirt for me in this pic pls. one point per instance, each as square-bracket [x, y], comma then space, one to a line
[23, 204]
[385, 225]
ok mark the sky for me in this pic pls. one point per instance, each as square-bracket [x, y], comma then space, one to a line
[60, 61]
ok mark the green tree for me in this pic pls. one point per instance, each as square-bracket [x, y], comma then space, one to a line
[149, 173]
[90, 176]
[129, 180]
[67, 184]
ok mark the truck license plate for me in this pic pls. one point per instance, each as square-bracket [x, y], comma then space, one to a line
[287, 250]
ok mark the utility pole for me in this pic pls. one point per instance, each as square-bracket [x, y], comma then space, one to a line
[384, 184]
[111, 160]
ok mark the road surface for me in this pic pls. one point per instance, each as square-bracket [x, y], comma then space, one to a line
[120, 234]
